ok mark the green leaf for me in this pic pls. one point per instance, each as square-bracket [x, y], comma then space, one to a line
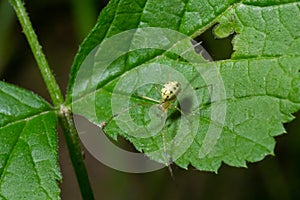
[230, 110]
[123, 15]
[262, 31]
[28, 143]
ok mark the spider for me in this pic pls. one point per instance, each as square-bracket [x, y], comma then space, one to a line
[169, 92]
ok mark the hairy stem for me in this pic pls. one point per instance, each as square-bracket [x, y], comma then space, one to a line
[72, 139]
[52, 86]
[65, 116]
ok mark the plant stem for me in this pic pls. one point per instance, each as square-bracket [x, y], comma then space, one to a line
[65, 115]
[52, 86]
[72, 139]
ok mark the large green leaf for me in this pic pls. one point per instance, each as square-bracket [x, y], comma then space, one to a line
[28, 158]
[232, 109]
[122, 15]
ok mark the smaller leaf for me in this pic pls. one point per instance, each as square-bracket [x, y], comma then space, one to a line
[28, 146]
[16, 103]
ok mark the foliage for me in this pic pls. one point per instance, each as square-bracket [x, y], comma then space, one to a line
[258, 90]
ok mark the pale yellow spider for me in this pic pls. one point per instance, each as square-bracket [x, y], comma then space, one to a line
[169, 92]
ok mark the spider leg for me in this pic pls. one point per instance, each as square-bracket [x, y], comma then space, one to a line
[105, 123]
[150, 99]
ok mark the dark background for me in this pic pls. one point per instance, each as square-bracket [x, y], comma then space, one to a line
[61, 26]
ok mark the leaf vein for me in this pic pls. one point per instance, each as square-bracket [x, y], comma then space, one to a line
[37, 174]
[233, 132]
[10, 154]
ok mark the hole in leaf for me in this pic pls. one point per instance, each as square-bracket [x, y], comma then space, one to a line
[124, 144]
[219, 49]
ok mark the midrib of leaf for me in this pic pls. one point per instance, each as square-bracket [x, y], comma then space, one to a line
[26, 118]
[218, 63]
[30, 105]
